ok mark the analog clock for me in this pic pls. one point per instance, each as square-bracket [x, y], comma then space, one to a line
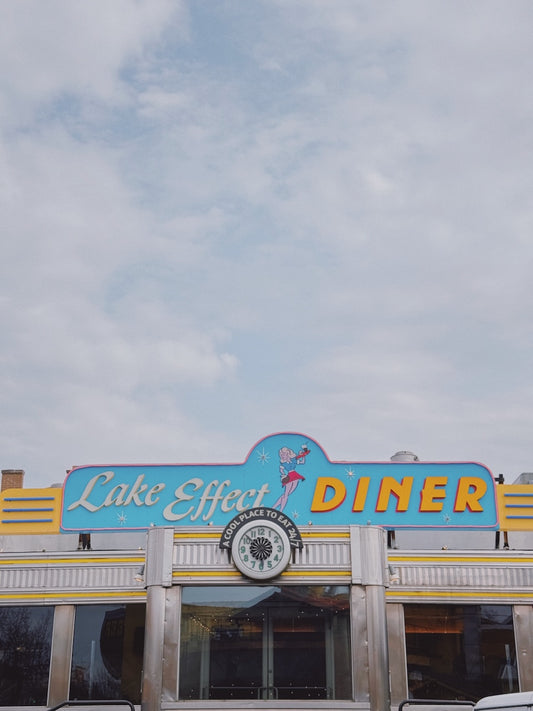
[261, 550]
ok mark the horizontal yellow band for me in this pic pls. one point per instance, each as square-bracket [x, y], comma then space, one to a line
[464, 559]
[480, 594]
[317, 573]
[332, 534]
[305, 534]
[77, 561]
[286, 574]
[205, 574]
[103, 594]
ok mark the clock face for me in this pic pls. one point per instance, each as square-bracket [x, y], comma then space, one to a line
[261, 550]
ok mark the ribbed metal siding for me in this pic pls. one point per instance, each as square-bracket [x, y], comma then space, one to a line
[325, 554]
[41, 574]
[321, 558]
[199, 555]
[464, 574]
[316, 555]
[68, 578]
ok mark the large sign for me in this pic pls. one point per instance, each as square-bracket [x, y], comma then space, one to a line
[289, 473]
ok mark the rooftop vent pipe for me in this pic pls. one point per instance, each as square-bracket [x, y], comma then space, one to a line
[404, 456]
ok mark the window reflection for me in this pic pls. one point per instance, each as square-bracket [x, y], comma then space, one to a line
[25, 643]
[107, 652]
[265, 642]
[463, 651]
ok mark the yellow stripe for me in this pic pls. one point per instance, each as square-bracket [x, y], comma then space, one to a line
[70, 595]
[457, 559]
[50, 561]
[287, 573]
[205, 574]
[441, 593]
[315, 573]
[333, 534]
[305, 534]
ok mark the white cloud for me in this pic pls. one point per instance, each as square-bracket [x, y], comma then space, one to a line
[222, 223]
[76, 47]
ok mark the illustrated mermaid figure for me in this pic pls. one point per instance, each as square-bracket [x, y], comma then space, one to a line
[290, 478]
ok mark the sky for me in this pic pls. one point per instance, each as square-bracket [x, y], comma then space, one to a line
[222, 219]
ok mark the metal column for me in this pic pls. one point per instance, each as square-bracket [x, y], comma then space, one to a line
[523, 629]
[397, 653]
[171, 649]
[158, 577]
[61, 654]
[369, 569]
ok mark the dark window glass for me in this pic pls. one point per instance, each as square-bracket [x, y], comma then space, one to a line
[25, 643]
[460, 651]
[265, 642]
[107, 652]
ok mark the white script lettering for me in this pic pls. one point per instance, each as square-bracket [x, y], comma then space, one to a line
[213, 492]
[120, 495]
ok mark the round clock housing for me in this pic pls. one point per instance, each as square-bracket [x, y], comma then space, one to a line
[261, 550]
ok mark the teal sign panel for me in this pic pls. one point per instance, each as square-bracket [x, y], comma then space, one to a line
[291, 473]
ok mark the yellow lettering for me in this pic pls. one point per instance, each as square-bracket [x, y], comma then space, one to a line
[400, 489]
[323, 484]
[360, 493]
[470, 489]
[430, 492]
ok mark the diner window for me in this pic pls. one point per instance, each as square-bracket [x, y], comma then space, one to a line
[265, 642]
[107, 652]
[25, 643]
[460, 651]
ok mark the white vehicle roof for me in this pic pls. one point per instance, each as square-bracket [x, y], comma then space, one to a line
[505, 701]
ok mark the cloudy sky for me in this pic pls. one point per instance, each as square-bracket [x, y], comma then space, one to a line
[224, 219]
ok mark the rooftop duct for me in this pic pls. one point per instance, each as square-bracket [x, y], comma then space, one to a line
[404, 456]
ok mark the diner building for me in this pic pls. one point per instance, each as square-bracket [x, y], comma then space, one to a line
[287, 581]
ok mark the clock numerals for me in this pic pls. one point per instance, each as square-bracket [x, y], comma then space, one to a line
[261, 550]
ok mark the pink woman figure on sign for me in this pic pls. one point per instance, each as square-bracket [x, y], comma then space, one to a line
[289, 476]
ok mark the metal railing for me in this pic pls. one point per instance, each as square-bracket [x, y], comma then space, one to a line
[263, 693]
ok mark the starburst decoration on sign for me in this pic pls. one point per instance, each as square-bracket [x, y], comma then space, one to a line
[122, 518]
[263, 457]
[295, 514]
[350, 473]
[446, 518]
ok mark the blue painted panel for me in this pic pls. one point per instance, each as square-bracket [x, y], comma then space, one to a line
[289, 472]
